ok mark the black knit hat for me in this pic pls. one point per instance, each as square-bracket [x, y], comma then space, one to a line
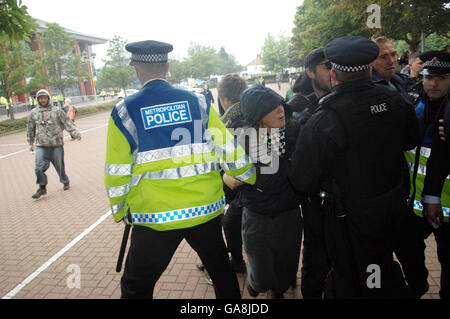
[257, 101]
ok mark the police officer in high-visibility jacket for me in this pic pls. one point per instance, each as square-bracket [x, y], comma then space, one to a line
[434, 196]
[165, 149]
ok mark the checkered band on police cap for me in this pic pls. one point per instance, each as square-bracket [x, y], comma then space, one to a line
[346, 68]
[436, 63]
[150, 58]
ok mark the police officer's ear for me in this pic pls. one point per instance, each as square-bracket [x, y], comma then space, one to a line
[310, 73]
[334, 80]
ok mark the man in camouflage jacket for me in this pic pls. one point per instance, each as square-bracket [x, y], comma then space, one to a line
[45, 129]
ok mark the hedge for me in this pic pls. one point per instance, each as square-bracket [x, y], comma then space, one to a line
[9, 126]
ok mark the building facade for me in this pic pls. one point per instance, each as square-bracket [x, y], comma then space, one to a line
[83, 48]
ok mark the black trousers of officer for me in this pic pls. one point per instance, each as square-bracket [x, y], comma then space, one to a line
[371, 228]
[150, 253]
[410, 251]
[315, 264]
[232, 224]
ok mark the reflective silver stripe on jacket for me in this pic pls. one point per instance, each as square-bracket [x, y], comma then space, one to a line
[176, 215]
[424, 151]
[118, 191]
[227, 148]
[127, 122]
[421, 169]
[240, 163]
[176, 173]
[117, 208]
[172, 152]
[118, 169]
[246, 175]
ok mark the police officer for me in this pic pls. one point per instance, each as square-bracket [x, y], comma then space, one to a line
[354, 144]
[314, 83]
[163, 177]
[436, 187]
[311, 85]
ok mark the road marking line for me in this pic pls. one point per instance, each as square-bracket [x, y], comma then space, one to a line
[5, 145]
[88, 130]
[55, 257]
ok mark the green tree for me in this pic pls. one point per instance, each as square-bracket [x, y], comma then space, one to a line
[27, 70]
[16, 24]
[202, 61]
[274, 53]
[317, 22]
[436, 42]
[178, 71]
[406, 20]
[64, 67]
[227, 62]
[117, 72]
[19, 68]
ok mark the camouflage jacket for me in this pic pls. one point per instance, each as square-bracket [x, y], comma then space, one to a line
[49, 132]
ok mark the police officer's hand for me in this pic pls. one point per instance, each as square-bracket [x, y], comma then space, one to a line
[31, 148]
[231, 182]
[441, 130]
[433, 213]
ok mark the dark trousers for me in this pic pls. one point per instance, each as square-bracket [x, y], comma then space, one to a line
[272, 246]
[43, 157]
[315, 265]
[410, 251]
[231, 223]
[371, 226]
[151, 251]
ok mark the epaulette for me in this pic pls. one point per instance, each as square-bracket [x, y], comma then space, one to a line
[325, 99]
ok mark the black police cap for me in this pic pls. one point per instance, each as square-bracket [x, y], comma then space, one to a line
[149, 51]
[314, 58]
[435, 63]
[351, 54]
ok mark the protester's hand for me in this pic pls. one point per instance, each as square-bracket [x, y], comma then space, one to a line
[433, 213]
[79, 139]
[31, 148]
[231, 181]
[441, 130]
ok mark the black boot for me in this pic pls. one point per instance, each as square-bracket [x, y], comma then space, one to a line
[41, 191]
[252, 292]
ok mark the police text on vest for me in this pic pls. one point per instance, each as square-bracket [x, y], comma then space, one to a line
[166, 114]
[378, 108]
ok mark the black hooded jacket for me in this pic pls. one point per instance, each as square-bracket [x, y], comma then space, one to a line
[305, 100]
[272, 193]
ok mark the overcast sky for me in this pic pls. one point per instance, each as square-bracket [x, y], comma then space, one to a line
[240, 26]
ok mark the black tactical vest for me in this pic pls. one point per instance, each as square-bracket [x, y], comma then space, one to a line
[374, 120]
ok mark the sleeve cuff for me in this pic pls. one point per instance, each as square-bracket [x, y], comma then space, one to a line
[428, 199]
